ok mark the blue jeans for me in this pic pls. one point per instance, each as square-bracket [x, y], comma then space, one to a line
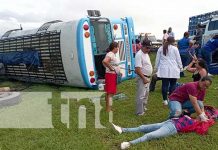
[176, 107]
[153, 131]
[168, 85]
[185, 59]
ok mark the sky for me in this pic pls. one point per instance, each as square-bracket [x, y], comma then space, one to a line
[149, 16]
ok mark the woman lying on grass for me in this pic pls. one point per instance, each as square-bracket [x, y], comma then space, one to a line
[166, 128]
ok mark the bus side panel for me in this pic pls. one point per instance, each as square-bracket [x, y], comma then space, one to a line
[85, 53]
[131, 38]
[69, 53]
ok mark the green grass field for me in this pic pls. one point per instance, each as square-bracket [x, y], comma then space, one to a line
[60, 137]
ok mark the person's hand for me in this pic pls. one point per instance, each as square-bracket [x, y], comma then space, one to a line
[146, 80]
[155, 71]
[203, 117]
[120, 74]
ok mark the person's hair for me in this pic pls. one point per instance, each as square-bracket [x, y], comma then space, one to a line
[170, 41]
[164, 31]
[196, 42]
[202, 63]
[137, 41]
[186, 34]
[206, 78]
[169, 29]
[112, 46]
[198, 25]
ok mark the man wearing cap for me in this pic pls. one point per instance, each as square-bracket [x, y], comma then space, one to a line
[143, 69]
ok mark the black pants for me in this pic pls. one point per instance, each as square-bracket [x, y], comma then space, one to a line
[154, 79]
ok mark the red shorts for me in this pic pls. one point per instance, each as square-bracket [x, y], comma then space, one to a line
[110, 83]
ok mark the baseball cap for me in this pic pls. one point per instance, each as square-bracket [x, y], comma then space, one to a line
[146, 43]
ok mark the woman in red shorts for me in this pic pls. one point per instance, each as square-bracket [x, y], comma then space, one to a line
[111, 62]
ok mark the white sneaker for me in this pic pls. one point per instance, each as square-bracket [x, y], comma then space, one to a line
[165, 102]
[141, 114]
[125, 145]
[117, 128]
[209, 75]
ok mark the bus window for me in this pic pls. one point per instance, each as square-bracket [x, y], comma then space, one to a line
[102, 35]
[121, 51]
[216, 25]
[211, 25]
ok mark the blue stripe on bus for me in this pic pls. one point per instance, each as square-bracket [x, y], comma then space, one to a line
[80, 52]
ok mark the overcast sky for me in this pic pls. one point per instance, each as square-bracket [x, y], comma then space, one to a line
[151, 16]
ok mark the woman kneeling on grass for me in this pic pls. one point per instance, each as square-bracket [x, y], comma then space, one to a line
[166, 128]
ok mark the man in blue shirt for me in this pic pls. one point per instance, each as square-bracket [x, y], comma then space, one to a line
[208, 48]
[183, 45]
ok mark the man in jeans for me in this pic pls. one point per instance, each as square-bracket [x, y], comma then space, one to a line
[143, 69]
[189, 97]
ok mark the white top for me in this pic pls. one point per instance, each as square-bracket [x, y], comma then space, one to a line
[114, 62]
[165, 36]
[168, 66]
[143, 61]
[171, 34]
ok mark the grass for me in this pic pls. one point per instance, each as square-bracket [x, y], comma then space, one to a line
[74, 138]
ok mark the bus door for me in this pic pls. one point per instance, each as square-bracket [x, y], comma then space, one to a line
[122, 36]
[101, 37]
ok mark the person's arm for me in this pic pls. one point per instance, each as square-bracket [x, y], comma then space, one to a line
[194, 102]
[157, 60]
[178, 59]
[198, 110]
[141, 75]
[190, 68]
[106, 63]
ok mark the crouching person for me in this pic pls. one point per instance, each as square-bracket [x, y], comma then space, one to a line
[189, 97]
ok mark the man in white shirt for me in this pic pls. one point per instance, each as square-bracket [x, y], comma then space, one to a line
[143, 69]
[171, 33]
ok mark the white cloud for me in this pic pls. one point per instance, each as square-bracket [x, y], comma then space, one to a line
[149, 16]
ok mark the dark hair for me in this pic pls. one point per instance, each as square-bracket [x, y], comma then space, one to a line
[186, 34]
[202, 63]
[199, 25]
[164, 31]
[170, 41]
[146, 43]
[206, 78]
[137, 41]
[112, 46]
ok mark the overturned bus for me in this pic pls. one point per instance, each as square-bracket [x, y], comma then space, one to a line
[67, 53]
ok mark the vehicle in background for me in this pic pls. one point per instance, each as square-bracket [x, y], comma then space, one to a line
[209, 24]
[155, 43]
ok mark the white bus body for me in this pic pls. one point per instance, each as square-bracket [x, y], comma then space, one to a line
[67, 53]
